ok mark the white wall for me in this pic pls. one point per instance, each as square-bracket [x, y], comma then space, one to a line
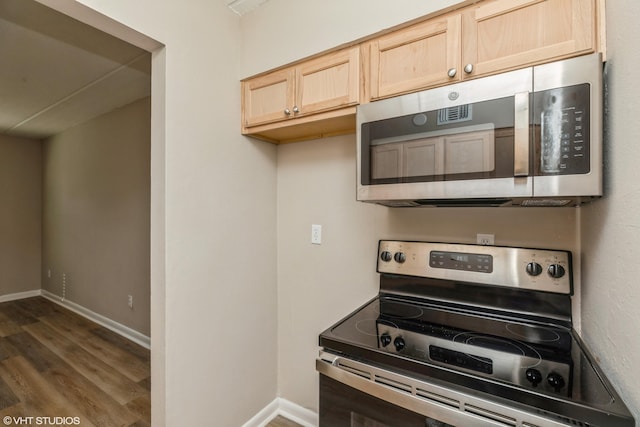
[213, 352]
[611, 226]
[20, 214]
[96, 204]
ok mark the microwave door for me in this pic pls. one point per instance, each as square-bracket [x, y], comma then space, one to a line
[480, 149]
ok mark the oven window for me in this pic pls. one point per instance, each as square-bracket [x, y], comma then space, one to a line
[472, 141]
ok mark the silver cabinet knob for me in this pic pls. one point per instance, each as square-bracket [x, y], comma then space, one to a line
[296, 110]
[452, 72]
[287, 112]
[468, 68]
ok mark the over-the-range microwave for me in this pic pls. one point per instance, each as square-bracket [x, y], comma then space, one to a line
[530, 137]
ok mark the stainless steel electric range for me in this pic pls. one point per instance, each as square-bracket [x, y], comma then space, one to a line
[464, 335]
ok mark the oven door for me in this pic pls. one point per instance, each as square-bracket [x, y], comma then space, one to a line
[344, 406]
[466, 140]
[356, 394]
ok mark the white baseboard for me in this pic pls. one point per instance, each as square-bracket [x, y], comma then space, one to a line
[265, 415]
[297, 413]
[20, 295]
[287, 409]
[112, 325]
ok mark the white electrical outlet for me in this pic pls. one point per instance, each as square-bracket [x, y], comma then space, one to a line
[130, 302]
[485, 239]
[316, 234]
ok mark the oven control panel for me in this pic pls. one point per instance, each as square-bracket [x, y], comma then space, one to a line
[525, 268]
[481, 263]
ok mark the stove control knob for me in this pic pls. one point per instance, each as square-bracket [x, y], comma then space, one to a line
[400, 257]
[399, 343]
[534, 269]
[385, 339]
[386, 256]
[556, 271]
[533, 376]
[556, 381]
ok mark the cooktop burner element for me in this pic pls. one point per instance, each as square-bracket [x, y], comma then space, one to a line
[493, 320]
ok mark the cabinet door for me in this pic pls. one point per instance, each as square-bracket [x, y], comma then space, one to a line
[267, 98]
[416, 57]
[328, 82]
[505, 34]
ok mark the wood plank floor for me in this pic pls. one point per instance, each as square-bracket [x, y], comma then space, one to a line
[55, 363]
[280, 421]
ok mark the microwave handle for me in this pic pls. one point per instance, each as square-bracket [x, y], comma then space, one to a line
[521, 135]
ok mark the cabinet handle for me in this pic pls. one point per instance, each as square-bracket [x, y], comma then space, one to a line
[468, 68]
[296, 110]
[452, 72]
[287, 112]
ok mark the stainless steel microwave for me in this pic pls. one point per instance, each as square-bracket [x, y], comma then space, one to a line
[530, 137]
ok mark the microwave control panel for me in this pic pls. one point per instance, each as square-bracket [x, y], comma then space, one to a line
[561, 124]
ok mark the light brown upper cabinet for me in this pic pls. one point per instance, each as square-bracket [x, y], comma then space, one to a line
[268, 98]
[423, 55]
[312, 91]
[482, 39]
[317, 97]
[507, 34]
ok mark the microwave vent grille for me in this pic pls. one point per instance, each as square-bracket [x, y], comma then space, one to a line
[459, 113]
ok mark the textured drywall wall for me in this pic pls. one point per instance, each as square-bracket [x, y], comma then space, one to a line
[20, 214]
[611, 226]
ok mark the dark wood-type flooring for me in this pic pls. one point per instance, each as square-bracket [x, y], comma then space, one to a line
[280, 421]
[55, 363]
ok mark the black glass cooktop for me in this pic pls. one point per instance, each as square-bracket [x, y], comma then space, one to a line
[536, 364]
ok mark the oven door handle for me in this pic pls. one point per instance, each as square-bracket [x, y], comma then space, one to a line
[428, 399]
[521, 143]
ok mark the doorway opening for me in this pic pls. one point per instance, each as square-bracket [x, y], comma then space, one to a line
[77, 76]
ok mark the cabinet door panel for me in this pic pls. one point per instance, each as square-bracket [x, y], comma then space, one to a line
[328, 82]
[267, 97]
[513, 33]
[416, 57]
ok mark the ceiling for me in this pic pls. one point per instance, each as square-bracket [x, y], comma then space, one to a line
[57, 72]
